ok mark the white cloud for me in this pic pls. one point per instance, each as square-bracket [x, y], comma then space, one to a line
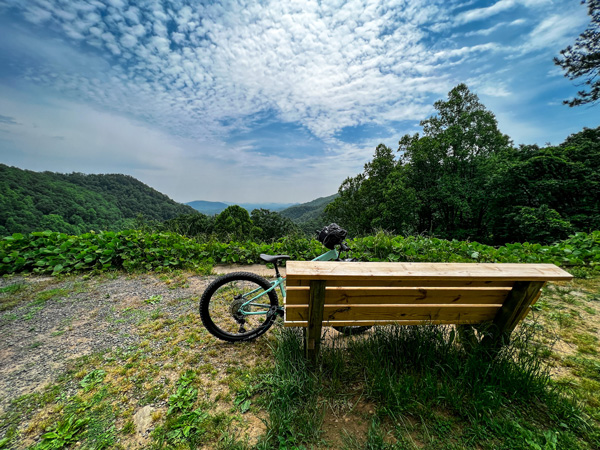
[498, 26]
[483, 13]
[325, 66]
[555, 31]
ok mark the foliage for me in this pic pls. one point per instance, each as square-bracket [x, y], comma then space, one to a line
[268, 225]
[233, 222]
[583, 59]
[52, 252]
[189, 225]
[557, 185]
[131, 250]
[438, 185]
[463, 180]
[75, 203]
[65, 432]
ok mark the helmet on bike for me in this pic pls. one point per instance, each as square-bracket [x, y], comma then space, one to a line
[332, 235]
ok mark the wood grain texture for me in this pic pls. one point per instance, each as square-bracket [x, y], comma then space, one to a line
[417, 313]
[393, 282]
[336, 270]
[338, 295]
[314, 315]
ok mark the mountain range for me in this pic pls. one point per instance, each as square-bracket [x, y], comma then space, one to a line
[212, 208]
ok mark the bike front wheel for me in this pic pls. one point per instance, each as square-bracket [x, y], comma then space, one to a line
[238, 307]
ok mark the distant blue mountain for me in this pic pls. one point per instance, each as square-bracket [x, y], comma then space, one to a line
[209, 208]
[212, 208]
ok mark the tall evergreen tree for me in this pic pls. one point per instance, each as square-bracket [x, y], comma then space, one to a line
[582, 60]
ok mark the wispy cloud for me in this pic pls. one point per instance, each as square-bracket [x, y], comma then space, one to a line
[476, 14]
[7, 120]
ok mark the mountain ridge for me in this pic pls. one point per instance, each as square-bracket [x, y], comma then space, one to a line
[211, 208]
[76, 203]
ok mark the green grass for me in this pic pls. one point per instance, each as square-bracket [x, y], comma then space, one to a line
[423, 388]
[8, 299]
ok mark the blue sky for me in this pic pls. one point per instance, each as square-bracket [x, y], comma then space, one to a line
[276, 101]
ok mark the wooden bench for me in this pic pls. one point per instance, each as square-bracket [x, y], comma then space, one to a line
[380, 293]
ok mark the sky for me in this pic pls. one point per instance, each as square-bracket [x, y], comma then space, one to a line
[270, 101]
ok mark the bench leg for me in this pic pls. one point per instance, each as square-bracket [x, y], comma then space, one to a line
[315, 319]
[522, 295]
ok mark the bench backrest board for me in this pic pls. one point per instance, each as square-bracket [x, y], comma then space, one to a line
[358, 293]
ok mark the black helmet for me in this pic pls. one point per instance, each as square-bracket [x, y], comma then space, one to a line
[332, 235]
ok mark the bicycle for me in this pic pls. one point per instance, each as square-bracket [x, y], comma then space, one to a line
[242, 306]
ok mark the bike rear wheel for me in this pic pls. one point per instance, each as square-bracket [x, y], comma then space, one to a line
[226, 313]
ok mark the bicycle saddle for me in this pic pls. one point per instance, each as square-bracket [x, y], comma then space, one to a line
[273, 258]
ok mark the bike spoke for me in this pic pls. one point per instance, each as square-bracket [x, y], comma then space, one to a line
[230, 303]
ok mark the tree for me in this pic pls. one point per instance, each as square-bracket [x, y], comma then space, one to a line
[270, 225]
[553, 187]
[233, 223]
[448, 167]
[583, 58]
[363, 202]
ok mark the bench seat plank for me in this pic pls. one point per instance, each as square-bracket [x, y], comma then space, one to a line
[331, 270]
[393, 282]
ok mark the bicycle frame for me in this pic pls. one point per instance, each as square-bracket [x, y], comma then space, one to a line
[279, 282]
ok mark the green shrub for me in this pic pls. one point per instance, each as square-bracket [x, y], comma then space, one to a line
[131, 250]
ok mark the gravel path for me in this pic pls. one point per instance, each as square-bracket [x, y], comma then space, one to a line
[57, 321]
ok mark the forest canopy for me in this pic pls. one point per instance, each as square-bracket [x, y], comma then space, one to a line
[76, 203]
[463, 179]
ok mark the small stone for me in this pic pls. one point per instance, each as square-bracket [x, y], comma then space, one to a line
[143, 419]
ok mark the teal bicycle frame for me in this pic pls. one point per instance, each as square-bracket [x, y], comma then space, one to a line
[278, 282]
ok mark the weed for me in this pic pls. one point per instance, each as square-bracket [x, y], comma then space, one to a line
[153, 300]
[66, 432]
[9, 317]
[128, 428]
[185, 396]
[92, 379]
[44, 296]
[8, 299]
[586, 343]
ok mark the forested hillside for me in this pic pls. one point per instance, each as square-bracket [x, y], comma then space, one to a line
[76, 203]
[464, 179]
[311, 215]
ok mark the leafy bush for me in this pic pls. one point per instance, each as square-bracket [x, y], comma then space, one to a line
[51, 252]
[131, 250]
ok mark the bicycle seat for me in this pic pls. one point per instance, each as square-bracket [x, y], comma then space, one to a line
[273, 258]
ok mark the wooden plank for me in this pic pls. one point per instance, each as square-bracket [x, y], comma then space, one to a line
[391, 282]
[473, 313]
[507, 317]
[315, 319]
[299, 295]
[349, 323]
[528, 309]
[331, 270]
